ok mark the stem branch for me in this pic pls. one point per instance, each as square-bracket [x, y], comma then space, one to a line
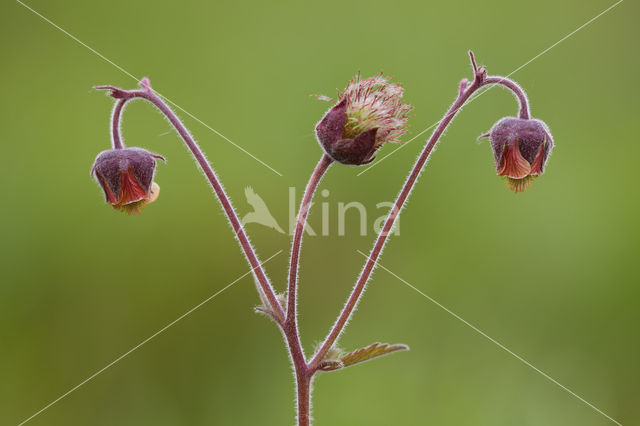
[303, 375]
[464, 93]
[517, 91]
[301, 221]
[116, 119]
[148, 94]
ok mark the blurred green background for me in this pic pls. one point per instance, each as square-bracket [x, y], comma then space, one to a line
[551, 273]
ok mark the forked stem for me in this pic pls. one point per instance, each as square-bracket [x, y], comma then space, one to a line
[514, 87]
[464, 93]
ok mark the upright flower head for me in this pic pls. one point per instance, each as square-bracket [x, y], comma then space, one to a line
[368, 113]
[126, 177]
[521, 148]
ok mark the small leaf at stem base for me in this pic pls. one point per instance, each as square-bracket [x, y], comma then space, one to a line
[361, 355]
[265, 309]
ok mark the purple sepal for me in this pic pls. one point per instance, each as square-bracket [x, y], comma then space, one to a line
[329, 130]
[355, 151]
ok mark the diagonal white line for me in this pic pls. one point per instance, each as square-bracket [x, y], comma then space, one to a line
[482, 92]
[566, 37]
[80, 42]
[138, 79]
[73, 389]
[494, 341]
[220, 134]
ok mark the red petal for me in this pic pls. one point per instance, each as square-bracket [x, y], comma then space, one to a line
[536, 167]
[131, 191]
[513, 164]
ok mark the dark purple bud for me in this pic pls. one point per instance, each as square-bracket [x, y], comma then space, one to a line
[126, 177]
[355, 151]
[521, 148]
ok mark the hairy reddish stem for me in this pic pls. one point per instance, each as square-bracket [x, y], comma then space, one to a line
[288, 328]
[116, 119]
[303, 394]
[148, 94]
[303, 376]
[464, 93]
[301, 221]
[517, 91]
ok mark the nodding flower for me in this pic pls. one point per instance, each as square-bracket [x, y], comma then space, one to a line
[126, 177]
[367, 114]
[521, 148]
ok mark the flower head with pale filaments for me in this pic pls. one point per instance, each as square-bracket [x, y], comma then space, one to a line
[375, 103]
[368, 113]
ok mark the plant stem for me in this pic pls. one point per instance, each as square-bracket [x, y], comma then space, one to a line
[148, 94]
[303, 389]
[116, 118]
[290, 326]
[288, 322]
[464, 92]
[517, 91]
[301, 221]
[303, 374]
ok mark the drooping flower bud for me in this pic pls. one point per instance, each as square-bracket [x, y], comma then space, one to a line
[521, 148]
[126, 177]
[368, 113]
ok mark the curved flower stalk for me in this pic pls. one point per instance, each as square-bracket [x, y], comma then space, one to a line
[118, 150]
[367, 114]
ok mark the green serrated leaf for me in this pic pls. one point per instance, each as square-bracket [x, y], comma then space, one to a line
[373, 351]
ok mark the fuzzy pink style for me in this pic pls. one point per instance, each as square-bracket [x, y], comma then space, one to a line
[381, 104]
